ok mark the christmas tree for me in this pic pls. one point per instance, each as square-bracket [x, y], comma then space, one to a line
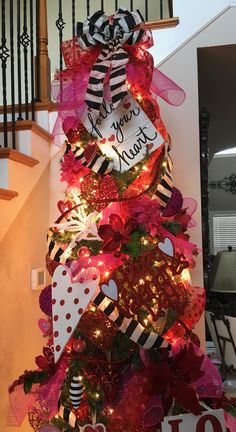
[120, 352]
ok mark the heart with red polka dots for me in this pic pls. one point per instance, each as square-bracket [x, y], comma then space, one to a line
[70, 298]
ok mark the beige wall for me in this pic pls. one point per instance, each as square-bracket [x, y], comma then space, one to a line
[183, 122]
[22, 249]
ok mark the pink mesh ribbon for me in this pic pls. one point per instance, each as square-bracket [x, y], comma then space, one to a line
[230, 421]
[49, 393]
[210, 384]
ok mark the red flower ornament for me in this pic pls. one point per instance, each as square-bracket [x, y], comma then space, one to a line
[116, 233]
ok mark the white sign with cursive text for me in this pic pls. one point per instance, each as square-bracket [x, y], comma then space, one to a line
[208, 421]
[125, 134]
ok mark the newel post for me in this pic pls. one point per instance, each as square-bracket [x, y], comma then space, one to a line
[43, 77]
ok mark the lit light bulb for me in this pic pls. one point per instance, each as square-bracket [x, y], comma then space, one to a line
[186, 275]
[97, 333]
[80, 378]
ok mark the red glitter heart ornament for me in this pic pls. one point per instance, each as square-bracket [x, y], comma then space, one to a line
[99, 192]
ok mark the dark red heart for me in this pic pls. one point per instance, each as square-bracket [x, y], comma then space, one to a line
[102, 141]
[126, 105]
[149, 146]
[63, 206]
[111, 138]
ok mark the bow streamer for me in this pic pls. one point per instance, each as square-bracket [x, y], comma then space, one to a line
[112, 34]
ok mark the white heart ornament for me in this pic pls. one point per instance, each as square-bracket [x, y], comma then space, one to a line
[110, 290]
[70, 299]
[166, 247]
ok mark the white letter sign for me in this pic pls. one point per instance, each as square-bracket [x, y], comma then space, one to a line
[209, 421]
[125, 134]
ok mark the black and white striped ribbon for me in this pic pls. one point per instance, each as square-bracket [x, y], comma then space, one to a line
[129, 326]
[76, 391]
[112, 34]
[98, 164]
[164, 189]
[69, 417]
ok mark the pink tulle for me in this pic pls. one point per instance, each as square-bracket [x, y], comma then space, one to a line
[190, 205]
[210, 384]
[167, 89]
[230, 421]
[49, 393]
[21, 404]
[104, 262]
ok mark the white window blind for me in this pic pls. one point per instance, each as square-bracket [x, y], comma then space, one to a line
[224, 232]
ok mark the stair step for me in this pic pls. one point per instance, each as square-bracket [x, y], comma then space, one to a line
[21, 125]
[6, 194]
[8, 153]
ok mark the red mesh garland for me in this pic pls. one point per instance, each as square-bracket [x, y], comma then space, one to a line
[149, 282]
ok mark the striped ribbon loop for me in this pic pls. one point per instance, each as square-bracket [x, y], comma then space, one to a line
[164, 189]
[112, 33]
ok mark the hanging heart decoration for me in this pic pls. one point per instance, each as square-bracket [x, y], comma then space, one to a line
[70, 299]
[166, 247]
[110, 290]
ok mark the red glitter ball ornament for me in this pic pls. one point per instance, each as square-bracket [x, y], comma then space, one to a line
[45, 300]
[79, 345]
[83, 251]
[98, 329]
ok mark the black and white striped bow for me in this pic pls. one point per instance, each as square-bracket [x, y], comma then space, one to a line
[112, 34]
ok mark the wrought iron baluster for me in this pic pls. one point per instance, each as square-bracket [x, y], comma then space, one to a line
[170, 8]
[146, 10]
[161, 9]
[88, 7]
[102, 5]
[131, 5]
[25, 40]
[13, 113]
[116, 5]
[19, 61]
[32, 58]
[4, 54]
[73, 18]
[60, 24]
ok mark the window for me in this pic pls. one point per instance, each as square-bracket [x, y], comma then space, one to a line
[224, 232]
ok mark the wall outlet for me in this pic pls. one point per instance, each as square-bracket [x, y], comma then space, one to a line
[37, 279]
